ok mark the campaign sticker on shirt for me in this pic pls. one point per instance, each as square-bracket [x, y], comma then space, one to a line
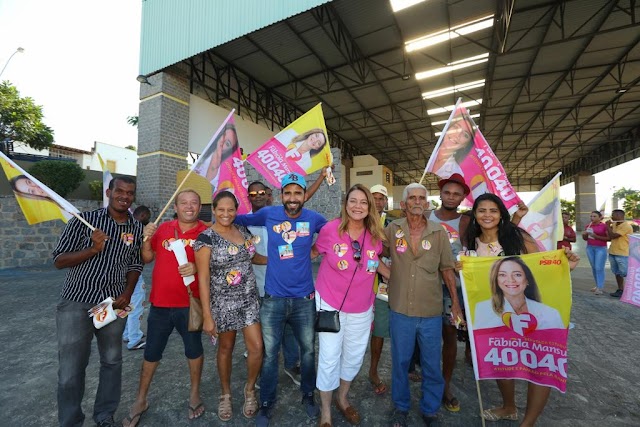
[285, 251]
[289, 236]
[127, 238]
[277, 228]
[372, 266]
[401, 245]
[232, 249]
[340, 249]
[399, 233]
[256, 239]
[343, 264]
[452, 233]
[371, 254]
[250, 247]
[234, 277]
[285, 226]
[302, 229]
[426, 245]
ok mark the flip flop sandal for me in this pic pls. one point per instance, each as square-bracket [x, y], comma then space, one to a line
[379, 388]
[451, 405]
[136, 417]
[225, 410]
[250, 406]
[194, 410]
[490, 415]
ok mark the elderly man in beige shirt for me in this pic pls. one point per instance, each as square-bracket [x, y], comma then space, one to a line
[420, 256]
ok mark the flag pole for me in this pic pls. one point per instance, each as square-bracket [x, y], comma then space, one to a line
[172, 197]
[84, 221]
[480, 402]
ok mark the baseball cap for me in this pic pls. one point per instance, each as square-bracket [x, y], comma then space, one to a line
[294, 178]
[379, 189]
[458, 179]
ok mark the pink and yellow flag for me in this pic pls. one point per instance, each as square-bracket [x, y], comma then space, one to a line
[631, 294]
[518, 310]
[301, 147]
[221, 164]
[106, 179]
[544, 219]
[463, 149]
[38, 202]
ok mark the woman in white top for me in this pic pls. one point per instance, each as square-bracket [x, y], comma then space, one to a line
[491, 233]
[304, 147]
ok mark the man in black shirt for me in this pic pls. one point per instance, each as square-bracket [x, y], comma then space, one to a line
[102, 263]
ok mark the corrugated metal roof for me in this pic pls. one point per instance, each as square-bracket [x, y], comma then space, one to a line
[173, 30]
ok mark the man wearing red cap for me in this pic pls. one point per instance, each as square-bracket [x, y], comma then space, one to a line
[453, 190]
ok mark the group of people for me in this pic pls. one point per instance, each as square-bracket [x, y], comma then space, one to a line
[253, 273]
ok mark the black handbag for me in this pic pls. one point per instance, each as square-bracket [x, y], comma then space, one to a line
[327, 321]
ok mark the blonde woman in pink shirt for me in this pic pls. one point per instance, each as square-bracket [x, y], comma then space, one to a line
[351, 246]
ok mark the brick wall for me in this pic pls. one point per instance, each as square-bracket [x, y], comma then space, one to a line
[24, 245]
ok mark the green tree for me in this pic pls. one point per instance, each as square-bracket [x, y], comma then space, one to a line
[622, 193]
[95, 188]
[631, 205]
[569, 206]
[61, 176]
[133, 120]
[131, 147]
[21, 119]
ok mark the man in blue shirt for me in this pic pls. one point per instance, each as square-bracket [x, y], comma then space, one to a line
[289, 290]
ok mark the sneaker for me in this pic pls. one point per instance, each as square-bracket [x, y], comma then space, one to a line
[399, 417]
[294, 374]
[139, 345]
[617, 293]
[310, 406]
[598, 292]
[109, 422]
[264, 415]
[430, 420]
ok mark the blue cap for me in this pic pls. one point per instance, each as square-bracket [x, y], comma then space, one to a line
[294, 178]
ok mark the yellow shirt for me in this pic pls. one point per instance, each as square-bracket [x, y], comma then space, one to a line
[620, 245]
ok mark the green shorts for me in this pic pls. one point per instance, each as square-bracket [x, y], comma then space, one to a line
[381, 319]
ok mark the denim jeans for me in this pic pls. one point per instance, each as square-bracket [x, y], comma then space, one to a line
[275, 313]
[597, 257]
[75, 333]
[132, 331]
[290, 349]
[428, 331]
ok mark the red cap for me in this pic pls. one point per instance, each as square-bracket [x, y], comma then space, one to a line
[456, 178]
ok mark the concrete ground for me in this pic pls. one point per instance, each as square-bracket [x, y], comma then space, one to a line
[603, 387]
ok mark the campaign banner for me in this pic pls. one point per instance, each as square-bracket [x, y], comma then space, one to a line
[631, 293]
[301, 147]
[544, 219]
[518, 310]
[221, 164]
[106, 179]
[463, 149]
[38, 202]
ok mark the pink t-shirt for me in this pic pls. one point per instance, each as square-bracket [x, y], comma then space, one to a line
[599, 229]
[338, 266]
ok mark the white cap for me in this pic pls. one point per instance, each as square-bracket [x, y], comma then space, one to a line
[379, 189]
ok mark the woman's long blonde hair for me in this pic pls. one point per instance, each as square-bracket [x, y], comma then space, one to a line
[372, 222]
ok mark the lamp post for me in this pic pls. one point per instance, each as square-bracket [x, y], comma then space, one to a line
[18, 50]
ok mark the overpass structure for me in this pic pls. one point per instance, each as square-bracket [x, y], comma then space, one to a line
[553, 84]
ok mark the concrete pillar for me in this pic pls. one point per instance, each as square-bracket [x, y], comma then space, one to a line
[585, 185]
[163, 138]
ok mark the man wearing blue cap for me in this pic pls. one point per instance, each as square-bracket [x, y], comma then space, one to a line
[289, 290]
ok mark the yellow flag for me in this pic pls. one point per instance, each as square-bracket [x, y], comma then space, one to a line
[544, 219]
[106, 179]
[38, 202]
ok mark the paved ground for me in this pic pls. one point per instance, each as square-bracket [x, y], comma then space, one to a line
[603, 387]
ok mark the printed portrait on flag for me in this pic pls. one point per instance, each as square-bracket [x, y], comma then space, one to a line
[222, 148]
[455, 146]
[631, 293]
[544, 219]
[301, 147]
[518, 316]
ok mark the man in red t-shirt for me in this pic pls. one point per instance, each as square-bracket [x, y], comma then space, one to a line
[569, 235]
[170, 301]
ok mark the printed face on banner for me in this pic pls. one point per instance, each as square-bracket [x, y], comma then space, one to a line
[518, 316]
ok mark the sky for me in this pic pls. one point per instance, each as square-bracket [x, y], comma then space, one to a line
[80, 64]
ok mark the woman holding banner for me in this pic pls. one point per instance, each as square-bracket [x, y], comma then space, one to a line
[304, 147]
[351, 246]
[491, 233]
[229, 298]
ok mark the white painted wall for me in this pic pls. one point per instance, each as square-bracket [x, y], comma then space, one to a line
[126, 160]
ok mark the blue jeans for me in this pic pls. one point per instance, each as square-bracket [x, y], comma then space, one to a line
[290, 349]
[428, 332]
[132, 331]
[619, 265]
[275, 313]
[597, 257]
[75, 333]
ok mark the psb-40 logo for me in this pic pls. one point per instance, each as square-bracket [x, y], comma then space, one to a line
[550, 260]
